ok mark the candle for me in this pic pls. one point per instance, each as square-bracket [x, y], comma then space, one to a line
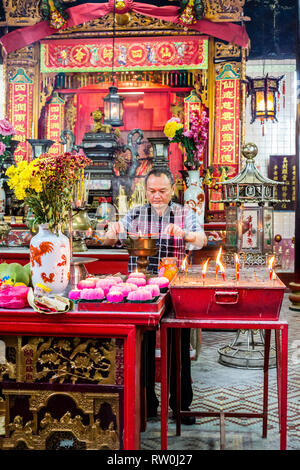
[270, 265]
[237, 267]
[184, 266]
[204, 269]
[222, 271]
[218, 261]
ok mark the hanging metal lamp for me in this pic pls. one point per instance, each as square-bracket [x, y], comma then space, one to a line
[264, 92]
[113, 102]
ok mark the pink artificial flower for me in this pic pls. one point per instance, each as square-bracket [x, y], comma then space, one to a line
[6, 128]
[2, 148]
[174, 119]
[188, 134]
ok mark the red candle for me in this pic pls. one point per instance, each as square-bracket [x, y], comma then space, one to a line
[218, 260]
[237, 267]
[204, 269]
[271, 262]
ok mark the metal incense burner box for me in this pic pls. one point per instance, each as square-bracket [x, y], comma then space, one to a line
[254, 296]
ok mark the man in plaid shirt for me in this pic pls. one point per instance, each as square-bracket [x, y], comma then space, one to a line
[176, 229]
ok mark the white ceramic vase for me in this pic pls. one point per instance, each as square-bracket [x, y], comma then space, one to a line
[50, 259]
[194, 196]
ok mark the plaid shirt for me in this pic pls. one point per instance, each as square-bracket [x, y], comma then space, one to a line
[144, 221]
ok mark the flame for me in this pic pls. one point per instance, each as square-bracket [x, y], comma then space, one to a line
[219, 265]
[222, 269]
[219, 256]
[271, 262]
[237, 259]
[184, 264]
[205, 265]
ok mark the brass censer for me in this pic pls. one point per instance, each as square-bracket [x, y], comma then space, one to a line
[142, 248]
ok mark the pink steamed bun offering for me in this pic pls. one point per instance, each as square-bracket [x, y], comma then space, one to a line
[74, 294]
[137, 275]
[154, 288]
[115, 295]
[114, 279]
[88, 283]
[142, 294]
[92, 294]
[138, 281]
[126, 287]
[161, 281]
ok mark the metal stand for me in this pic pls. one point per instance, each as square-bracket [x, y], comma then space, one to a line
[78, 270]
[248, 353]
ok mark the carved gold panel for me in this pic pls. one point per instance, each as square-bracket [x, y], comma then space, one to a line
[54, 420]
[22, 12]
[223, 10]
[226, 50]
[63, 360]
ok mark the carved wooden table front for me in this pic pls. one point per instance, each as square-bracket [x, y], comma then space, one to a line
[72, 380]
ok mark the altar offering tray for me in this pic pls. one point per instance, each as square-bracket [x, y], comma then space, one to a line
[128, 307]
[254, 296]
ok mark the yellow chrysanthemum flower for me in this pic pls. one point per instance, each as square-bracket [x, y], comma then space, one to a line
[171, 128]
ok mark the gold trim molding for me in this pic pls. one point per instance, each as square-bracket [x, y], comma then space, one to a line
[27, 13]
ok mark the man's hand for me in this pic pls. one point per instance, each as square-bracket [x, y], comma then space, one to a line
[114, 229]
[175, 231]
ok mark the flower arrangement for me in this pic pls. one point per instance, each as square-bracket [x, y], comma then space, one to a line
[46, 185]
[6, 134]
[193, 140]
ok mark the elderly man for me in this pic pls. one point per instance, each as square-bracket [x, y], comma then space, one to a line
[176, 228]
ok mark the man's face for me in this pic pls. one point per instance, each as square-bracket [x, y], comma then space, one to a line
[159, 191]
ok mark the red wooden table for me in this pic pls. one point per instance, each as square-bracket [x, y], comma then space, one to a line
[114, 321]
[281, 337]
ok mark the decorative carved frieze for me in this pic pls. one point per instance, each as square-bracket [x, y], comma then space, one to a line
[27, 12]
[225, 51]
[22, 12]
[64, 360]
[54, 420]
[224, 10]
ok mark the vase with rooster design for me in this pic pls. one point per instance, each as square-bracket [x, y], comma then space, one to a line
[50, 259]
[194, 194]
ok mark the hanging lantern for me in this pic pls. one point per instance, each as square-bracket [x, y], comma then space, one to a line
[113, 108]
[113, 103]
[191, 103]
[264, 92]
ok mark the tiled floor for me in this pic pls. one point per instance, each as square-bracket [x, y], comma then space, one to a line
[216, 387]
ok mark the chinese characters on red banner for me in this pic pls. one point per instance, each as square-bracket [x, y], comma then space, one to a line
[144, 54]
[20, 91]
[55, 123]
[226, 150]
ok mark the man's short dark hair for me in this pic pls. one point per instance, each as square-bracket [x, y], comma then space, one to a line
[159, 172]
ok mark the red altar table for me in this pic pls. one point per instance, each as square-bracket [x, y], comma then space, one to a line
[281, 336]
[116, 322]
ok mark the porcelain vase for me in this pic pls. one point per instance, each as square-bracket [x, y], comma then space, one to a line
[194, 196]
[50, 260]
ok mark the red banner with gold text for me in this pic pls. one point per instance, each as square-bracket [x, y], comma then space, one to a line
[226, 139]
[55, 123]
[20, 94]
[85, 55]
